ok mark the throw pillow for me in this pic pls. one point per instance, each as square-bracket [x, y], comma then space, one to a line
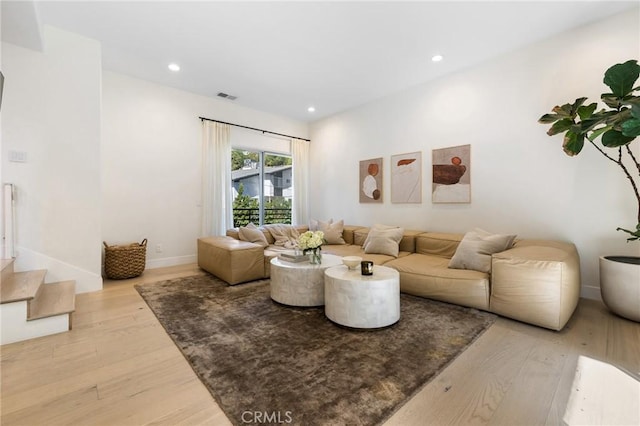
[384, 241]
[332, 231]
[252, 234]
[313, 224]
[285, 235]
[379, 227]
[475, 250]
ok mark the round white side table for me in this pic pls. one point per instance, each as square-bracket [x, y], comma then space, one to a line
[362, 301]
[300, 284]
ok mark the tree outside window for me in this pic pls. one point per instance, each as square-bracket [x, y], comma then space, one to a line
[262, 187]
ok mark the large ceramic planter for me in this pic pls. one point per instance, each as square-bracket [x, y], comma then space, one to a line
[620, 285]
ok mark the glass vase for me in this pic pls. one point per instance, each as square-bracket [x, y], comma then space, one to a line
[315, 257]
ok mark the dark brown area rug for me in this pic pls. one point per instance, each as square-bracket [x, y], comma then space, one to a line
[266, 363]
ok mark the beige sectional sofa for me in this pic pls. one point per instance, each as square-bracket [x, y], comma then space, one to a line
[535, 281]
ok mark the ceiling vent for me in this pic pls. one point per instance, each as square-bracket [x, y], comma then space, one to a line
[225, 96]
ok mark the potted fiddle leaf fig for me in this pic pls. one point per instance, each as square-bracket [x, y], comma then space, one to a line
[617, 126]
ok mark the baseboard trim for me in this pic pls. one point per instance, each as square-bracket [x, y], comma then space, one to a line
[170, 261]
[590, 292]
[57, 270]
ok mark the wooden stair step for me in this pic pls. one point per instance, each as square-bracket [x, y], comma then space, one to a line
[21, 286]
[54, 299]
[6, 269]
[5, 262]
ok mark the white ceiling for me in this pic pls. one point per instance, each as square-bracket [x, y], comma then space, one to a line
[282, 57]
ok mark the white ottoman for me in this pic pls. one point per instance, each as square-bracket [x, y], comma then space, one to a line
[362, 301]
[300, 284]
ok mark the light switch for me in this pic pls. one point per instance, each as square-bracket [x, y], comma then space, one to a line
[17, 156]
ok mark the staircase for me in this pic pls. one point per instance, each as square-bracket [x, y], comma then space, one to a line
[29, 308]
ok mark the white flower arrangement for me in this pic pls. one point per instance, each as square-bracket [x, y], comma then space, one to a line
[310, 241]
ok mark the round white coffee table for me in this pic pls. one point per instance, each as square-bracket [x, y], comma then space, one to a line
[362, 301]
[300, 284]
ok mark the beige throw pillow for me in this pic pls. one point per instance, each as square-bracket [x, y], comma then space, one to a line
[285, 235]
[378, 227]
[252, 234]
[313, 224]
[475, 250]
[384, 241]
[332, 231]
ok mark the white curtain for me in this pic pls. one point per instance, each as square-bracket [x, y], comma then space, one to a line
[300, 207]
[217, 208]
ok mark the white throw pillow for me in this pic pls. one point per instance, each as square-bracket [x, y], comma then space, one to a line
[332, 231]
[383, 241]
[252, 234]
[475, 250]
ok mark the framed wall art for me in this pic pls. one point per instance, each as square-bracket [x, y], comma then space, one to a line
[451, 181]
[406, 178]
[370, 187]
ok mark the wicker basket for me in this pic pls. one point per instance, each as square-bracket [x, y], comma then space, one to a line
[121, 262]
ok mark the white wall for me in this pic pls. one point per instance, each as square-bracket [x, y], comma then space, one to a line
[51, 112]
[151, 161]
[521, 180]
[3, 243]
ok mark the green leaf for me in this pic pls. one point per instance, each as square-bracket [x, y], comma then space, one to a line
[549, 118]
[594, 135]
[611, 100]
[631, 128]
[635, 110]
[590, 123]
[614, 139]
[635, 235]
[560, 126]
[573, 143]
[586, 111]
[576, 105]
[621, 77]
[563, 111]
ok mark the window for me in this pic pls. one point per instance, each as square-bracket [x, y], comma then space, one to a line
[262, 187]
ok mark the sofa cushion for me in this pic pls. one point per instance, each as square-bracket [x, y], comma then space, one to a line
[537, 282]
[438, 244]
[252, 234]
[355, 250]
[383, 241]
[231, 260]
[347, 233]
[360, 236]
[429, 276]
[332, 231]
[475, 250]
[408, 241]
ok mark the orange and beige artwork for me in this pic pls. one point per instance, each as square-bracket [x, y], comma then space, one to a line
[406, 178]
[370, 187]
[451, 181]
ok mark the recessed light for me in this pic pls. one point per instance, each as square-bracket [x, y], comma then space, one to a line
[311, 109]
[437, 58]
[174, 67]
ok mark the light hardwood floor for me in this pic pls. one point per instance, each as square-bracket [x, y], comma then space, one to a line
[118, 367]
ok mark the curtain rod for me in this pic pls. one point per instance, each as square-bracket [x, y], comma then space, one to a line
[253, 128]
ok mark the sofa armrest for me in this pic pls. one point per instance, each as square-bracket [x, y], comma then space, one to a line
[231, 260]
[537, 282]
